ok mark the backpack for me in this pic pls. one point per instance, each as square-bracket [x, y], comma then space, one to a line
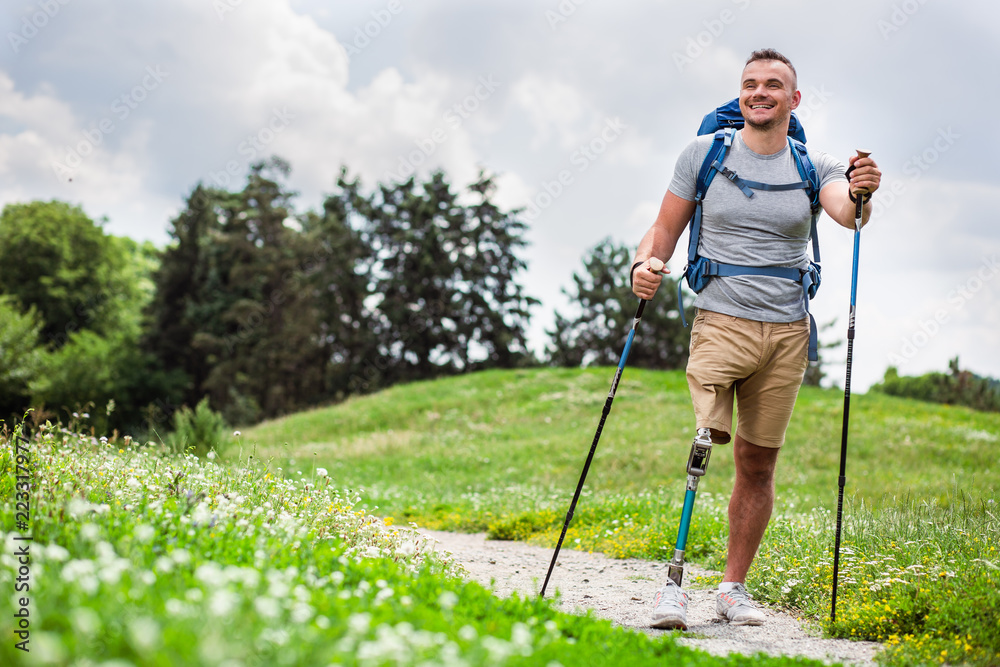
[724, 122]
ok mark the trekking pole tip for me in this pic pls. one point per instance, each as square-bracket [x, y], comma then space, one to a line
[655, 265]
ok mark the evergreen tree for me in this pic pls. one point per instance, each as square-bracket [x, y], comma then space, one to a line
[260, 310]
[606, 305]
[444, 277]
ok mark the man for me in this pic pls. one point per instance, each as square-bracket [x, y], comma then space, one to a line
[750, 337]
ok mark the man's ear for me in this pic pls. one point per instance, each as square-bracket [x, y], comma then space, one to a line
[796, 99]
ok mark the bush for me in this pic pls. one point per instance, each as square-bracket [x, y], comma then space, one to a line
[200, 430]
[957, 387]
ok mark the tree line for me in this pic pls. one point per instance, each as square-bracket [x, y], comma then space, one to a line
[265, 310]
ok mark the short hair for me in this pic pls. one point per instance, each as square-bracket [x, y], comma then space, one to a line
[771, 54]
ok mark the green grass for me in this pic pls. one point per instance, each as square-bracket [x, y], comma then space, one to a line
[143, 557]
[501, 451]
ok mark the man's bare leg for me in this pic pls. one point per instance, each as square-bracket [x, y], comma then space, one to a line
[750, 505]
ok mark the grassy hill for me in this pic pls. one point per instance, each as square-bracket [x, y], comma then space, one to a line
[417, 449]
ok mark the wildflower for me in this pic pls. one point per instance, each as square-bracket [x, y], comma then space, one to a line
[143, 533]
[267, 607]
[321, 472]
[236, 434]
[448, 600]
[222, 602]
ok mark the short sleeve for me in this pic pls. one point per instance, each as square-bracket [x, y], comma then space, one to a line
[684, 182]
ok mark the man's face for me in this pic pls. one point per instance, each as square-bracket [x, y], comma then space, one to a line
[767, 94]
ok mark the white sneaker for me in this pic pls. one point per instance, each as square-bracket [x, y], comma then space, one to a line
[670, 610]
[736, 607]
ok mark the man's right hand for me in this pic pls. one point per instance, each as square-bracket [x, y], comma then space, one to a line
[645, 281]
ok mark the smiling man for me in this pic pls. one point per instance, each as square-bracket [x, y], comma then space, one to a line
[750, 338]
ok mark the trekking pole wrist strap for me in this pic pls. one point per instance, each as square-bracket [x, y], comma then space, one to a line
[865, 198]
[631, 273]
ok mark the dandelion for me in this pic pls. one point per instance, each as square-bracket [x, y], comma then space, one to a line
[321, 472]
[236, 434]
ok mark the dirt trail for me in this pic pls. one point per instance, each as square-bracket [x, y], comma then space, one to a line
[623, 590]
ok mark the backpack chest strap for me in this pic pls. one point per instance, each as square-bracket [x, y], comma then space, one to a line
[748, 186]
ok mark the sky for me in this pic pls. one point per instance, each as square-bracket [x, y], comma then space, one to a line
[578, 107]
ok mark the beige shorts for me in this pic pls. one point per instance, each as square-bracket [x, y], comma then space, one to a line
[761, 364]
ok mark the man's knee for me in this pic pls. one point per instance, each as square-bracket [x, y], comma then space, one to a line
[755, 464]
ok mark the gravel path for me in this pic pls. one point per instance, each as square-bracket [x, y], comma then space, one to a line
[623, 590]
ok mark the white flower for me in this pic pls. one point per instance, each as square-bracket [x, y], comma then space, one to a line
[321, 472]
[143, 532]
[144, 633]
[236, 434]
[222, 602]
[56, 553]
[447, 600]
[181, 556]
[267, 607]
[90, 532]
[211, 455]
[175, 607]
[301, 612]
[209, 573]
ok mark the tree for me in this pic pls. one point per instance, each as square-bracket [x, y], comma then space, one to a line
[19, 356]
[186, 285]
[606, 305]
[814, 373]
[444, 275]
[55, 259]
[956, 387]
[335, 272]
[269, 359]
[255, 306]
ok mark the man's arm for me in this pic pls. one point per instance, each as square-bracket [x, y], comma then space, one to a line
[660, 241]
[835, 201]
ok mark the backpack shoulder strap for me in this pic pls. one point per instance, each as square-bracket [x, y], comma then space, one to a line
[806, 170]
[808, 173]
[716, 154]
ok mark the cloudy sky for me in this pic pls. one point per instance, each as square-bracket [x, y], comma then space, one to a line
[122, 107]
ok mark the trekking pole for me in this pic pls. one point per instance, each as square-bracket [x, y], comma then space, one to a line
[858, 206]
[656, 266]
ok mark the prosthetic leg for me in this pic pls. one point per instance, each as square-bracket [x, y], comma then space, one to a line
[701, 450]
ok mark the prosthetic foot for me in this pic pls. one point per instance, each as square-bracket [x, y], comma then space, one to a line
[701, 450]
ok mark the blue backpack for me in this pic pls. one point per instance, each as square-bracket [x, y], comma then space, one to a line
[724, 122]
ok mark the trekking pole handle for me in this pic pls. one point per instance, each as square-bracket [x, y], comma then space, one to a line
[859, 203]
[655, 265]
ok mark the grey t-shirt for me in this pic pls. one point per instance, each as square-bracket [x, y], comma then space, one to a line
[769, 229]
